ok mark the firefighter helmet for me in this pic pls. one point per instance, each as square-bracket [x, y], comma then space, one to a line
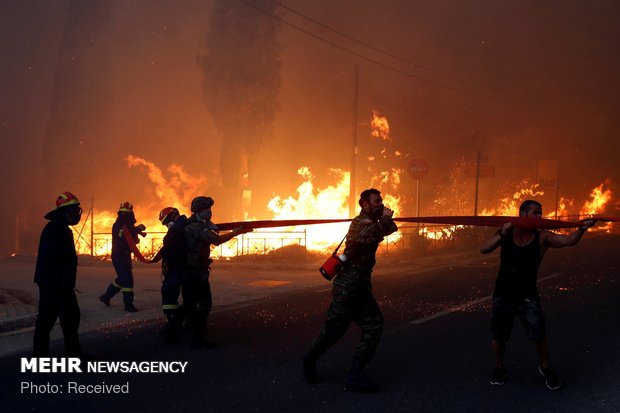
[63, 200]
[66, 199]
[125, 207]
[166, 214]
[201, 202]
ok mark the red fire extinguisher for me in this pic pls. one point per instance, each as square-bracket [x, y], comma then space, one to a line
[333, 265]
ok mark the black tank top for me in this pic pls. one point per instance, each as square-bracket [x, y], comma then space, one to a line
[518, 269]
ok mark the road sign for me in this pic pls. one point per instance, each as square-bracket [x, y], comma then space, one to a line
[418, 168]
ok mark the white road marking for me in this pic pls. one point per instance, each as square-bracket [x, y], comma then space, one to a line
[469, 304]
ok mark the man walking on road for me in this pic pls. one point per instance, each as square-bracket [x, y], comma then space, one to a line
[515, 292]
[352, 294]
[200, 234]
[121, 256]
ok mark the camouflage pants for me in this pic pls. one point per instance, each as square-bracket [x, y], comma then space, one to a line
[350, 305]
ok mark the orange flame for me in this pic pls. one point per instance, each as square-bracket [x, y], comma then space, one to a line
[314, 203]
[597, 203]
[510, 204]
[176, 190]
[311, 203]
[565, 206]
[379, 127]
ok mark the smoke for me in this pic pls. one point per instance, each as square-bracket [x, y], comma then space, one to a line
[76, 129]
[87, 82]
[241, 82]
[177, 189]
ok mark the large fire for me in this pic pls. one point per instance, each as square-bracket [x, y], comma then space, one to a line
[509, 205]
[175, 187]
[330, 202]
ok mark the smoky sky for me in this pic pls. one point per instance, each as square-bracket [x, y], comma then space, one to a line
[240, 88]
[211, 85]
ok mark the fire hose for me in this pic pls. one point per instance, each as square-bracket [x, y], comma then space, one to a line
[484, 221]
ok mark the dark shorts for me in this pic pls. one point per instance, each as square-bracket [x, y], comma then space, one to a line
[528, 310]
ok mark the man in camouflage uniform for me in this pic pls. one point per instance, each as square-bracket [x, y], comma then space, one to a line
[352, 293]
[200, 233]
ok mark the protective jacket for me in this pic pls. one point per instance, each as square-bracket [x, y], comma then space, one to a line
[121, 254]
[57, 259]
[362, 241]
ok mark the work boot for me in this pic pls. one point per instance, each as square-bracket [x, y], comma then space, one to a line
[131, 308]
[309, 365]
[171, 332]
[105, 299]
[357, 381]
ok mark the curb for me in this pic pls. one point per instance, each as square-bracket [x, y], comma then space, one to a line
[17, 322]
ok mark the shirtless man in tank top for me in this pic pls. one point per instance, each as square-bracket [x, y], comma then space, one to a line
[515, 292]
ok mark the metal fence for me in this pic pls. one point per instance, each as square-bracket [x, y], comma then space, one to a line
[407, 238]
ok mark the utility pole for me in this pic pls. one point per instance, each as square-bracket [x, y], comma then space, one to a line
[92, 226]
[478, 155]
[557, 190]
[17, 241]
[353, 175]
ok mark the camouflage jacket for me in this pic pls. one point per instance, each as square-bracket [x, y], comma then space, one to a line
[362, 242]
[199, 235]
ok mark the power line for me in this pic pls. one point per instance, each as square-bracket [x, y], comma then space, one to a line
[377, 49]
[368, 59]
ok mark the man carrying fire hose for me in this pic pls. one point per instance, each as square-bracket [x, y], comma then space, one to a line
[352, 294]
[200, 233]
[515, 292]
[121, 256]
[174, 270]
[55, 275]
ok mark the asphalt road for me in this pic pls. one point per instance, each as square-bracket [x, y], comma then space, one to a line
[434, 355]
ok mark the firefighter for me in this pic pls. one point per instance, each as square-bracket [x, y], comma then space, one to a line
[121, 256]
[174, 257]
[200, 234]
[352, 294]
[55, 276]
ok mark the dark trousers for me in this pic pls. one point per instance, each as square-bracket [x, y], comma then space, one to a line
[170, 292]
[197, 301]
[57, 303]
[123, 282]
[351, 305]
